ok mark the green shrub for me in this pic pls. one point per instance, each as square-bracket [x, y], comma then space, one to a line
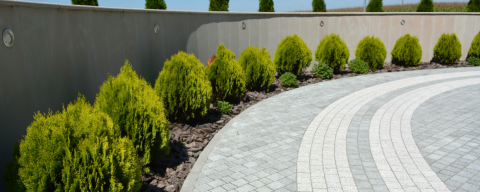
[10, 175]
[333, 51]
[85, 2]
[218, 5]
[78, 149]
[407, 50]
[322, 70]
[473, 6]
[184, 88]
[375, 6]
[359, 66]
[226, 75]
[292, 55]
[258, 67]
[372, 51]
[473, 61]
[224, 107]
[289, 80]
[155, 4]
[134, 106]
[319, 6]
[448, 49]
[474, 50]
[425, 6]
[266, 6]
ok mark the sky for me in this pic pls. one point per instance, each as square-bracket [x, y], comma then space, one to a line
[240, 5]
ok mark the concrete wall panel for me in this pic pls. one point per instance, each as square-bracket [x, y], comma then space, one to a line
[460, 26]
[192, 42]
[224, 33]
[425, 38]
[234, 28]
[470, 33]
[384, 29]
[116, 44]
[396, 31]
[353, 37]
[202, 39]
[254, 31]
[439, 24]
[157, 45]
[293, 25]
[313, 37]
[244, 34]
[263, 34]
[333, 25]
[98, 43]
[303, 28]
[213, 37]
[273, 34]
[449, 26]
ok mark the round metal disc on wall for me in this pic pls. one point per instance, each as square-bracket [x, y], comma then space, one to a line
[8, 38]
[156, 28]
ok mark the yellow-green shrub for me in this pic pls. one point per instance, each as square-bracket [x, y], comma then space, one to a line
[333, 51]
[258, 67]
[474, 50]
[226, 75]
[448, 49]
[407, 50]
[292, 55]
[371, 50]
[134, 106]
[184, 88]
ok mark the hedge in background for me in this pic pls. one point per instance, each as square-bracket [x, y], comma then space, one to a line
[473, 6]
[474, 50]
[319, 6]
[226, 75]
[85, 2]
[292, 55]
[184, 88]
[155, 4]
[407, 50]
[333, 51]
[218, 5]
[134, 106]
[266, 6]
[371, 50]
[258, 67]
[78, 149]
[359, 66]
[375, 6]
[425, 6]
[448, 49]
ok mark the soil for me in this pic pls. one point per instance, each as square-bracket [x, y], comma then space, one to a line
[189, 140]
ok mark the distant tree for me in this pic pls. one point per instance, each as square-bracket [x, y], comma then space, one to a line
[85, 2]
[319, 6]
[425, 6]
[266, 6]
[473, 6]
[375, 6]
[218, 5]
[155, 4]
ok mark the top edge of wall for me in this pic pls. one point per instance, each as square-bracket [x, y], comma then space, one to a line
[95, 8]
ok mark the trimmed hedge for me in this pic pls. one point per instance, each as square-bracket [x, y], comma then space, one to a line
[319, 6]
[155, 4]
[292, 55]
[134, 106]
[218, 5]
[474, 50]
[407, 51]
[322, 70]
[473, 6]
[371, 50]
[226, 75]
[359, 66]
[85, 2]
[448, 49]
[266, 6]
[258, 67]
[333, 51]
[184, 88]
[289, 80]
[375, 6]
[425, 6]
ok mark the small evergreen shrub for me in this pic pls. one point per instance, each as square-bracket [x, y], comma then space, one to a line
[425, 6]
[10, 175]
[224, 107]
[359, 66]
[266, 6]
[473, 6]
[85, 2]
[448, 49]
[333, 51]
[184, 88]
[78, 149]
[134, 106]
[155, 4]
[319, 6]
[289, 80]
[258, 67]
[407, 50]
[473, 61]
[371, 50]
[226, 75]
[218, 5]
[292, 55]
[322, 70]
[375, 6]
[474, 50]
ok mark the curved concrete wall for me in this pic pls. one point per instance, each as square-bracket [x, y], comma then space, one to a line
[63, 50]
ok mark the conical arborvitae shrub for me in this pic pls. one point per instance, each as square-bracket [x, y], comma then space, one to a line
[375, 6]
[218, 5]
[292, 55]
[155, 4]
[184, 88]
[371, 50]
[266, 6]
[425, 6]
[473, 6]
[319, 6]
[226, 75]
[407, 51]
[474, 50]
[134, 106]
[333, 51]
[448, 49]
[258, 67]
[85, 2]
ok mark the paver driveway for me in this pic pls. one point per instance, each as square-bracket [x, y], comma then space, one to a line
[405, 131]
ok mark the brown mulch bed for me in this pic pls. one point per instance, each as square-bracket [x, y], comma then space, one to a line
[189, 140]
